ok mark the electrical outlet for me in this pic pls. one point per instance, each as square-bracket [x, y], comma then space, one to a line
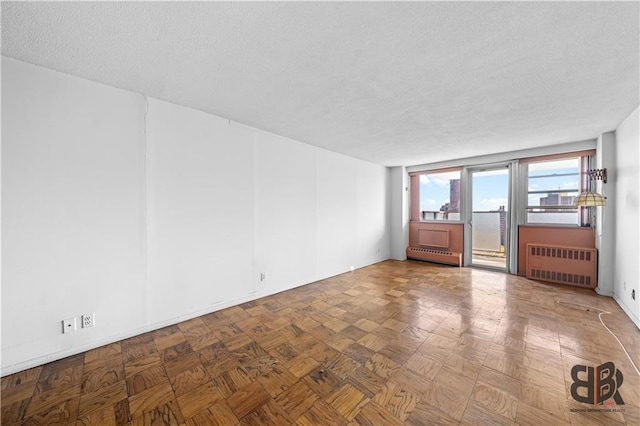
[88, 320]
[633, 294]
[263, 276]
[69, 325]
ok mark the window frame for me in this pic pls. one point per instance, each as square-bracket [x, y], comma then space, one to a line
[584, 160]
[415, 212]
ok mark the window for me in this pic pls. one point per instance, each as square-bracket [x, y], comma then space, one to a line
[546, 185]
[552, 188]
[436, 195]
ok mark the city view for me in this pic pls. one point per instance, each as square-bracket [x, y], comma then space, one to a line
[552, 188]
[551, 185]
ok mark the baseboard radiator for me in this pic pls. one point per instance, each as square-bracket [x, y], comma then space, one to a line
[437, 256]
[577, 266]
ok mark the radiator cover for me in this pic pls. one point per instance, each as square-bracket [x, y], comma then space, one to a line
[577, 266]
[437, 256]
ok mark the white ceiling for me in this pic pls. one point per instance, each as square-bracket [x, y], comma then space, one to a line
[394, 83]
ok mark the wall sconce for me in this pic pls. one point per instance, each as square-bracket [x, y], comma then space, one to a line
[592, 199]
[598, 174]
[588, 199]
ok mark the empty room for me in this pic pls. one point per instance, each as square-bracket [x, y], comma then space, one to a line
[320, 213]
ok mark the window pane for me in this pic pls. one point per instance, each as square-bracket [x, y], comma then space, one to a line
[553, 188]
[567, 217]
[440, 196]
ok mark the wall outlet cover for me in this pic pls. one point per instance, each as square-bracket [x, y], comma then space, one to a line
[68, 325]
[88, 320]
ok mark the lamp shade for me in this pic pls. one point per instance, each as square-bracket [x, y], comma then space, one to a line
[587, 199]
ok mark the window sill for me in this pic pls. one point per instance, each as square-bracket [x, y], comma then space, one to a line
[435, 221]
[553, 225]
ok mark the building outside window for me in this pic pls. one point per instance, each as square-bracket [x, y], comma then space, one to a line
[552, 189]
[439, 195]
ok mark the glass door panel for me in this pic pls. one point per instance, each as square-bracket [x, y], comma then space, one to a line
[489, 217]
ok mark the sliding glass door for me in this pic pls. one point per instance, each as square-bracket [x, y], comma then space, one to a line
[489, 217]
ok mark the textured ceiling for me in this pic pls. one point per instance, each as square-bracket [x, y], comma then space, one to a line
[393, 83]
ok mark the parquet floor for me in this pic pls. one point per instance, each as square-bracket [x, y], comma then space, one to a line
[389, 344]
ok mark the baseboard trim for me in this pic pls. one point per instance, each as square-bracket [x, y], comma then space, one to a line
[627, 311]
[604, 293]
[35, 362]
[214, 307]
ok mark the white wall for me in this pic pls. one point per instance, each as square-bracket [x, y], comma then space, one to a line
[286, 211]
[199, 212]
[606, 215]
[372, 227]
[627, 176]
[148, 213]
[399, 179]
[72, 212]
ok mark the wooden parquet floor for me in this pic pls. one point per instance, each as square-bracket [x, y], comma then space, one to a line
[393, 343]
